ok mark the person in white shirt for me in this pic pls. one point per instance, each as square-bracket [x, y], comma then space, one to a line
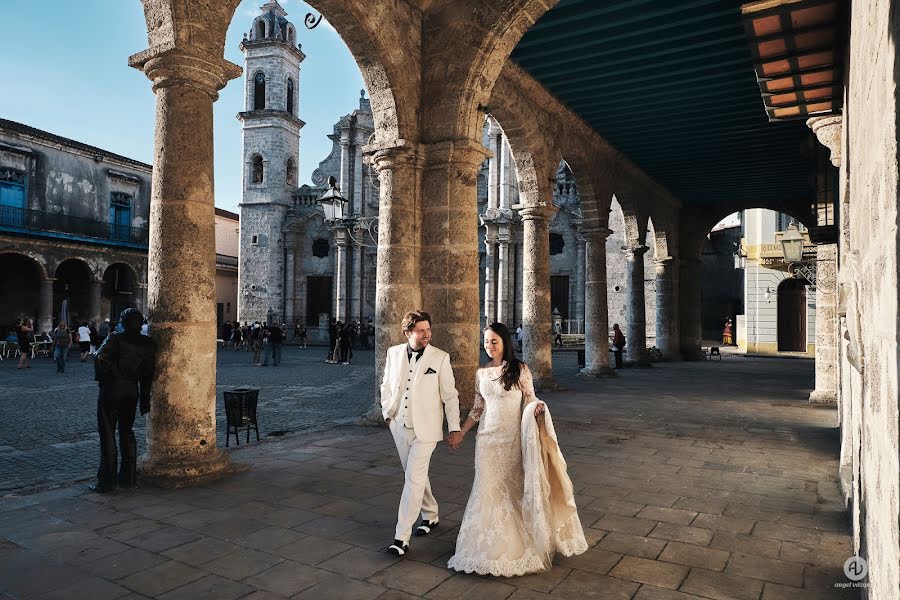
[84, 340]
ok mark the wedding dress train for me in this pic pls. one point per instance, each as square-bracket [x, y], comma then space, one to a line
[521, 510]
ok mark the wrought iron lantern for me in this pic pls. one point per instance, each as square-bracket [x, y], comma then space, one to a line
[333, 203]
[792, 244]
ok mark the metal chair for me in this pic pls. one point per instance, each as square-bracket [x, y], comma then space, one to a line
[240, 411]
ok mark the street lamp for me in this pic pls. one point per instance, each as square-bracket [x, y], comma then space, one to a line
[792, 244]
[334, 205]
[333, 202]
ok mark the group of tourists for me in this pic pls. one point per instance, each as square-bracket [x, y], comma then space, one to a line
[263, 340]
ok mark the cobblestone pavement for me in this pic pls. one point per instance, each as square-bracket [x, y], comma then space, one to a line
[48, 421]
[694, 481]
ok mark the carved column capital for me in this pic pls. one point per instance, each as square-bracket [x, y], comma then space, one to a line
[595, 234]
[390, 156]
[828, 130]
[543, 212]
[169, 66]
[635, 250]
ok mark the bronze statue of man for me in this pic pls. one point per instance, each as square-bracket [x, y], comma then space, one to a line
[124, 367]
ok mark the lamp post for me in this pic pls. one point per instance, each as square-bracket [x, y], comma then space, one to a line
[792, 248]
[334, 206]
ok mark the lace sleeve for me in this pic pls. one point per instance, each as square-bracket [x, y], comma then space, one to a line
[478, 405]
[526, 384]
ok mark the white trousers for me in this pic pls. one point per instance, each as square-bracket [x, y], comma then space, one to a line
[415, 456]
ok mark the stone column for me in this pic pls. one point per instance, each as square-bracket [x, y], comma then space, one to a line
[537, 331]
[340, 275]
[826, 326]
[667, 338]
[181, 430]
[358, 143]
[507, 172]
[399, 168]
[96, 287]
[596, 309]
[579, 276]
[636, 303]
[289, 285]
[493, 201]
[490, 290]
[503, 312]
[689, 308]
[355, 313]
[449, 269]
[45, 316]
[345, 168]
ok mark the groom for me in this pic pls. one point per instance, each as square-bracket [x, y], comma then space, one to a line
[418, 379]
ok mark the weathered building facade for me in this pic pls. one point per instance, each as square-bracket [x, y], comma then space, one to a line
[73, 228]
[227, 243]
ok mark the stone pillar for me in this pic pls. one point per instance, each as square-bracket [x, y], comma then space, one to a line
[355, 313]
[181, 429]
[579, 276]
[826, 326]
[596, 310]
[507, 172]
[503, 312]
[399, 169]
[340, 275]
[96, 287]
[449, 268]
[667, 313]
[289, 284]
[493, 200]
[358, 207]
[345, 168]
[45, 316]
[689, 308]
[537, 331]
[490, 290]
[635, 306]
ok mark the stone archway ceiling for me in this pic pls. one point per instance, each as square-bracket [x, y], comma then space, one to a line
[672, 86]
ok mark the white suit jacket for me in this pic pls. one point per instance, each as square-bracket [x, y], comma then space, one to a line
[432, 392]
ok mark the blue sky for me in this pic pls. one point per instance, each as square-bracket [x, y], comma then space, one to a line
[65, 66]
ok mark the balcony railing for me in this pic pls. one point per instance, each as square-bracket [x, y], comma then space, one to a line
[38, 221]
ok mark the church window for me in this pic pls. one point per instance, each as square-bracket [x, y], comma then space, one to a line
[557, 243]
[260, 29]
[291, 36]
[320, 248]
[290, 95]
[254, 239]
[259, 91]
[257, 169]
[289, 168]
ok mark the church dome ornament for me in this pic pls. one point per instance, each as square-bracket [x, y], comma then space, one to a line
[311, 21]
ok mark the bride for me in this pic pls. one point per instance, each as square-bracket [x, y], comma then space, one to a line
[521, 510]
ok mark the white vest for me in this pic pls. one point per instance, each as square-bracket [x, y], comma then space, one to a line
[405, 412]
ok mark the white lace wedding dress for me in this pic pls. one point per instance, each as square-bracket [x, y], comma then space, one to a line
[510, 526]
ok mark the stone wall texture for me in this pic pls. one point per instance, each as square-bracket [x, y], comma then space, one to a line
[871, 269]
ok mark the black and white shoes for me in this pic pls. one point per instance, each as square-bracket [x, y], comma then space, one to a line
[426, 527]
[398, 548]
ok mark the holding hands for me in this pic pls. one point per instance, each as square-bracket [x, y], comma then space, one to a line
[454, 439]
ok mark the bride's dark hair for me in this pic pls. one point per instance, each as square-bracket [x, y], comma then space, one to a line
[513, 368]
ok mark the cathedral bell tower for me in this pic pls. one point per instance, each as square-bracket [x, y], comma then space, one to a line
[271, 149]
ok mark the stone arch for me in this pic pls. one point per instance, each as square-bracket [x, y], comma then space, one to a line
[633, 217]
[291, 35]
[498, 29]
[36, 259]
[121, 289]
[259, 28]
[665, 234]
[22, 298]
[73, 279]
[290, 169]
[697, 223]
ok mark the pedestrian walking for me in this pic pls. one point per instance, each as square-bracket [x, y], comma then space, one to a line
[95, 341]
[303, 336]
[24, 335]
[237, 336]
[332, 340]
[727, 338]
[256, 342]
[557, 339]
[274, 341]
[103, 330]
[62, 341]
[345, 344]
[226, 334]
[618, 345]
[84, 340]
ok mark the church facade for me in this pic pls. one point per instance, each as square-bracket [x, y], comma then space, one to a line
[297, 268]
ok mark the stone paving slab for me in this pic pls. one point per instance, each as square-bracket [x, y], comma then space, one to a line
[694, 481]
